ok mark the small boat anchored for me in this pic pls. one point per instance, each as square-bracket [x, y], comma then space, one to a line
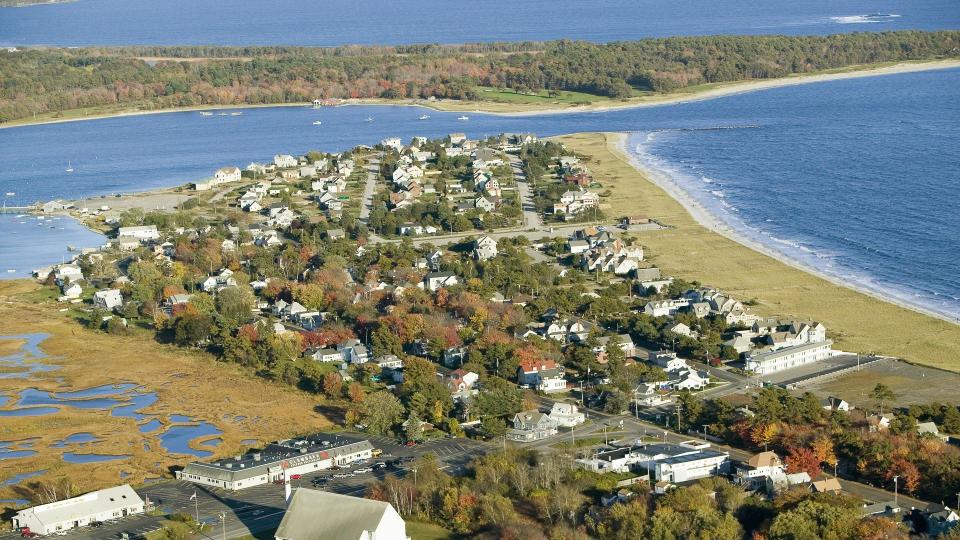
[69, 167]
[424, 117]
[369, 119]
[317, 123]
[238, 113]
[463, 118]
[206, 114]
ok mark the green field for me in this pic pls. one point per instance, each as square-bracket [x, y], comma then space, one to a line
[428, 531]
[539, 98]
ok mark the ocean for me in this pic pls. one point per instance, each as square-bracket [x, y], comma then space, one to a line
[339, 22]
[856, 178]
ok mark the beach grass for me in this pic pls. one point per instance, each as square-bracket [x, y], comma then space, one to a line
[856, 321]
[191, 383]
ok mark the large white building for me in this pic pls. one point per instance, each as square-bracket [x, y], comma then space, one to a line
[106, 504]
[319, 515]
[278, 461]
[668, 462]
[142, 232]
[773, 361]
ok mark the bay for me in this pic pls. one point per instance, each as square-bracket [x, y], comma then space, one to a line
[341, 22]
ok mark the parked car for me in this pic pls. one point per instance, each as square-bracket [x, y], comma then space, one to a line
[379, 465]
[364, 470]
[411, 443]
[96, 524]
[341, 475]
[295, 476]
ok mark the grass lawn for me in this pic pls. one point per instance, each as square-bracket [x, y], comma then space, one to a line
[428, 531]
[543, 97]
[855, 321]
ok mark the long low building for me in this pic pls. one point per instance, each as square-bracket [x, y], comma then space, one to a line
[668, 462]
[788, 357]
[277, 461]
[104, 505]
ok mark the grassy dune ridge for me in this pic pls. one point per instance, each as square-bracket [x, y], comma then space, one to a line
[856, 321]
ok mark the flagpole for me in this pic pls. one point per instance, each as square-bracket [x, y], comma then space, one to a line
[196, 506]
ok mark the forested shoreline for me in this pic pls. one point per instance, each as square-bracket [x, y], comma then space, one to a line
[44, 81]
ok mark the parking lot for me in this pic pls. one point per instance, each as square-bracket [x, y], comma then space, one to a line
[258, 510]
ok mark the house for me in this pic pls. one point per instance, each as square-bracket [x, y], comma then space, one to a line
[941, 521]
[461, 380]
[879, 422]
[219, 282]
[354, 352]
[828, 485]
[457, 139]
[683, 330]
[454, 356]
[227, 174]
[756, 470]
[835, 404]
[336, 234]
[531, 426]
[664, 308]
[98, 506]
[143, 233]
[668, 361]
[578, 246]
[484, 248]
[284, 161]
[682, 462]
[572, 203]
[108, 299]
[324, 355]
[691, 379]
[566, 415]
[438, 280]
[543, 375]
[485, 204]
[930, 429]
[71, 291]
[389, 361]
[650, 395]
[314, 514]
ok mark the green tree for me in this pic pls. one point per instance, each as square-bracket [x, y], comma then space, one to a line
[413, 430]
[381, 411]
[881, 393]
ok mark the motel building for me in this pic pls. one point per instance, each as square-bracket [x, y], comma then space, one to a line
[104, 505]
[277, 462]
[769, 362]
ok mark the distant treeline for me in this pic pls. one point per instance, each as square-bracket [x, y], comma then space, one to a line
[50, 80]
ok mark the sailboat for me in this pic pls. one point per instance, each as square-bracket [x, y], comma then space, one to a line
[425, 117]
[463, 118]
[369, 119]
[69, 167]
[206, 114]
[317, 122]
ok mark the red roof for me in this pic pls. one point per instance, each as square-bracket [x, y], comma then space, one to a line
[531, 366]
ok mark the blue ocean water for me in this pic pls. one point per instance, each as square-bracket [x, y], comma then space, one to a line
[339, 22]
[857, 178]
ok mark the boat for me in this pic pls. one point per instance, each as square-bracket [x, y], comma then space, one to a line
[236, 113]
[369, 119]
[223, 114]
[69, 167]
[463, 118]
[11, 270]
[425, 117]
[317, 123]
[206, 114]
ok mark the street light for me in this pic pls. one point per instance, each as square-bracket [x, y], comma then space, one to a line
[223, 521]
[895, 494]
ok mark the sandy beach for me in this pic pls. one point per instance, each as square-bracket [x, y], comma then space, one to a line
[715, 224]
[502, 109]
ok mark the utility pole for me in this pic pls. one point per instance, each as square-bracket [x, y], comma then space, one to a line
[895, 494]
[705, 432]
[678, 417]
[223, 521]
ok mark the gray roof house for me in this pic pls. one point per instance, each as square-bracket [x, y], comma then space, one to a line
[319, 515]
[531, 426]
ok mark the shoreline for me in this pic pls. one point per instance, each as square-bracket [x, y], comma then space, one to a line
[715, 224]
[723, 90]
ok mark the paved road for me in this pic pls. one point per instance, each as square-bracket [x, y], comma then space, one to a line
[366, 204]
[531, 219]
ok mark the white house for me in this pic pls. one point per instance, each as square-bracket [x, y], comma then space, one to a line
[104, 505]
[566, 415]
[664, 308]
[758, 468]
[227, 174]
[484, 248]
[284, 161]
[764, 363]
[71, 291]
[143, 233]
[315, 515]
[108, 299]
[438, 280]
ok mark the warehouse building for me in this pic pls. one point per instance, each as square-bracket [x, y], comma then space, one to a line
[104, 505]
[277, 461]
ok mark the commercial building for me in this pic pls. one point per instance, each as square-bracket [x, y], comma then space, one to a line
[314, 515]
[675, 463]
[787, 358]
[277, 461]
[104, 505]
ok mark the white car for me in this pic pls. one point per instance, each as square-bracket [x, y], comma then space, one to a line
[363, 470]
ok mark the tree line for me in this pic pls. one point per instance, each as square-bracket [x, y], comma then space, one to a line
[41, 81]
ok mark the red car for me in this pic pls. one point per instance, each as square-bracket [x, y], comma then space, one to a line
[411, 443]
[294, 476]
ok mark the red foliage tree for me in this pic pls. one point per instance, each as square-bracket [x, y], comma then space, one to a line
[802, 459]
